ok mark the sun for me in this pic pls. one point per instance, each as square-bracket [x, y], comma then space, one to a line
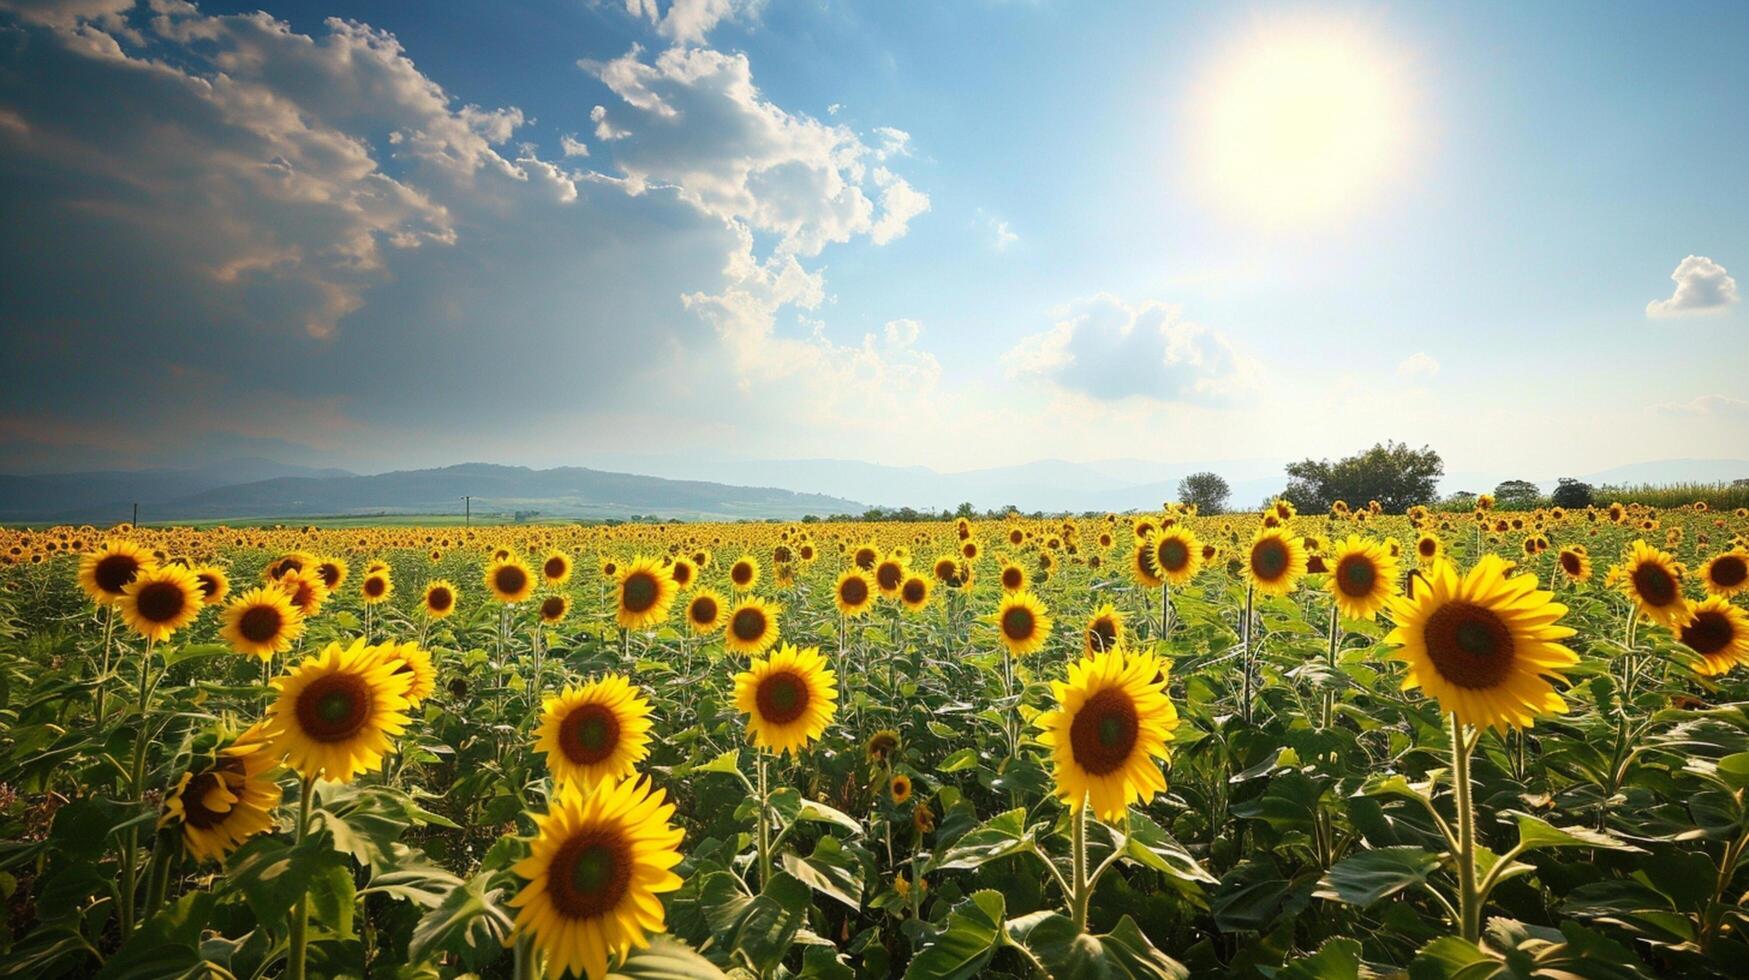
[1300, 123]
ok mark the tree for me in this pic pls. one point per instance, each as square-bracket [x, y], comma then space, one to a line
[1517, 494]
[1572, 493]
[1206, 490]
[1391, 473]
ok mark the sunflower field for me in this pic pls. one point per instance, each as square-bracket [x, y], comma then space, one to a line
[1273, 745]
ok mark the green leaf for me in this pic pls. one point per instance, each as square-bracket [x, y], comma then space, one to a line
[1535, 833]
[729, 763]
[168, 944]
[1064, 952]
[769, 924]
[965, 945]
[332, 898]
[1151, 846]
[1368, 877]
[998, 837]
[963, 759]
[817, 812]
[195, 651]
[273, 874]
[1337, 959]
[470, 923]
[666, 958]
[1451, 958]
[830, 870]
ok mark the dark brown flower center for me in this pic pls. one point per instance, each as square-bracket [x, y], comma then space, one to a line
[329, 573]
[1469, 645]
[194, 809]
[375, 586]
[589, 734]
[888, 575]
[1729, 571]
[1172, 555]
[1018, 623]
[748, 624]
[114, 572]
[1708, 633]
[209, 584]
[260, 624]
[1012, 577]
[1356, 575]
[1103, 734]
[681, 573]
[914, 590]
[704, 609]
[334, 707]
[865, 558]
[1102, 634]
[590, 874]
[1427, 547]
[440, 599]
[1570, 563]
[640, 592]
[742, 573]
[555, 567]
[1269, 559]
[1655, 586]
[160, 602]
[552, 607]
[510, 580]
[781, 697]
[854, 591]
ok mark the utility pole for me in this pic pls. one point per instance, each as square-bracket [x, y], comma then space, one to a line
[136, 521]
[467, 511]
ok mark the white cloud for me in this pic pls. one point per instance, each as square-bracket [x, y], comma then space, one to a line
[1709, 406]
[1702, 286]
[1001, 235]
[689, 21]
[1108, 350]
[1418, 365]
[902, 333]
[573, 147]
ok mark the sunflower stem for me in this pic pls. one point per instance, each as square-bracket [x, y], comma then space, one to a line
[764, 823]
[164, 853]
[1469, 895]
[137, 787]
[102, 678]
[527, 959]
[1078, 865]
[1335, 642]
[297, 954]
[1245, 660]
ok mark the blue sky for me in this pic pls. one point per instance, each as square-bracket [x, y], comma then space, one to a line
[955, 234]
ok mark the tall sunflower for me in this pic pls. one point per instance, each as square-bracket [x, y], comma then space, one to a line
[599, 861]
[744, 573]
[104, 573]
[1718, 632]
[1022, 623]
[788, 699]
[223, 804]
[1363, 576]
[914, 592]
[1483, 644]
[1653, 580]
[1105, 630]
[556, 568]
[1727, 573]
[439, 600]
[752, 627]
[509, 580]
[261, 622]
[598, 731]
[645, 593]
[160, 601]
[704, 612]
[889, 575]
[376, 588]
[1110, 726]
[336, 711]
[1177, 554]
[1275, 560]
[854, 592]
[1013, 577]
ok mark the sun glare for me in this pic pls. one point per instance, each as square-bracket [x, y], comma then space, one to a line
[1299, 125]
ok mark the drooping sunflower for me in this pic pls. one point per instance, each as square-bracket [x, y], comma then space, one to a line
[554, 609]
[704, 612]
[439, 600]
[854, 592]
[744, 573]
[556, 568]
[645, 594]
[1653, 580]
[1718, 632]
[788, 699]
[336, 711]
[1109, 730]
[509, 580]
[160, 601]
[413, 659]
[291, 561]
[1022, 623]
[1177, 554]
[332, 572]
[1105, 630]
[376, 588]
[214, 585]
[306, 591]
[1142, 566]
[1727, 573]
[1575, 563]
[914, 592]
[104, 573]
[228, 801]
[1483, 644]
[1363, 577]
[261, 622]
[599, 861]
[595, 732]
[752, 627]
[1275, 561]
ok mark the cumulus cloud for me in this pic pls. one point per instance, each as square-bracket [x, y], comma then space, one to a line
[1709, 406]
[689, 21]
[1417, 366]
[1001, 235]
[1107, 349]
[1702, 286]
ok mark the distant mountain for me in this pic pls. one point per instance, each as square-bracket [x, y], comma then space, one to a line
[109, 495]
[567, 492]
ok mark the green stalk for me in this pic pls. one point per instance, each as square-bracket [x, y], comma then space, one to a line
[1245, 658]
[298, 954]
[1335, 643]
[764, 823]
[1078, 864]
[137, 787]
[1469, 895]
[527, 959]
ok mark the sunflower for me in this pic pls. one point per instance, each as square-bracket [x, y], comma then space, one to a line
[336, 711]
[1276, 560]
[752, 627]
[599, 860]
[854, 593]
[104, 573]
[864, 556]
[1022, 623]
[914, 593]
[1111, 722]
[1142, 564]
[788, 699]
[1718, 632]
[683, 571]
[1177, 554]
[214, 586]
[1482, 644]
[645, 593]
[889, 575]
[1575, 563]
[704, 612]
[439, 599]
[1105, 630]
[261, 622]
[411, 658]
[509, 580]
[291, 561]
[556, 568]
[227, 802]
[881, 746]
[744, 573]
[1726, 574]
[593, 733]
[899, 789]
[332, 572]
[306, 591]
[160, 601]
[1013, 577]
[1363, 576]
[376, 588]
[554, 608]
[1653, 580]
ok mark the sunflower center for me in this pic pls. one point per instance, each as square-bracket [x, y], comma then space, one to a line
[865, 559]
[590, 874]
[704, 610]
[681, 573]
[1269, 559]
[329, 574]
[1017, 623]
[914, 590]
[1729, 571]
[589, 734]
[510, 580]
[209, 585]
[1655, 586]
[1356, 575]
[1011, 578]
[1102, 633]
[742, 573]
[888, 575]
[440, 599]
[1104, 732]
[194, 809]
[259, 624]
[160, 602]
[1708, 633]
[1427, 547]
[640, 592]
[1173, 554]
[115, 571]
[854, 591]
[1469, 645]
[334, 707]
[782, 697]
[749, 625]
[373, 587]
[1570, 562]
[552, 607]
[555, 567]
